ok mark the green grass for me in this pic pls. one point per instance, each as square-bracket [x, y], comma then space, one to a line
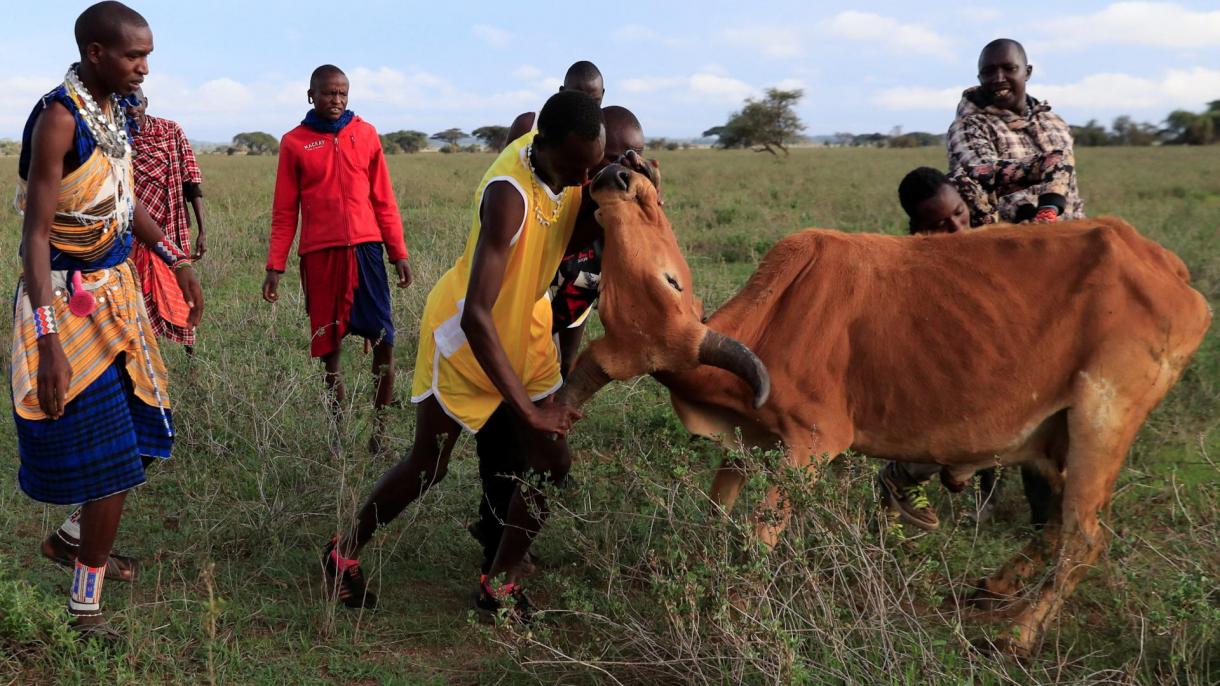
[232, 527]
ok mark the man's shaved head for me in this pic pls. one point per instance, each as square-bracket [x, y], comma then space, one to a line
[105, 23]
[623, 133]
[319, 75]
[623, 127]
[584, 76]
[1003, 44]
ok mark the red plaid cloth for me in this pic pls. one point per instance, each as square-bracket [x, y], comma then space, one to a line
[163, 160]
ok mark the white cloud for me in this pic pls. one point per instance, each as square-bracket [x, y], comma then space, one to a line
[651, 84]
[917, 98]
[776, 43]
[704, 86]
[981, 14]
[17, 97]
[1156, 24]
[1188, 88]
[634, 33]
[791, 84]
[722, 88]
[527, 72]
[890, 33]
[1111, 92]
[495, 37]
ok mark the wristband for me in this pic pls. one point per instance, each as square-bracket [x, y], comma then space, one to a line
[182, 264]
[169, 253]
[44, 321]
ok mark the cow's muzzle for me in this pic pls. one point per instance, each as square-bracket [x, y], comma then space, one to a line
[718, 350]
[613, 177]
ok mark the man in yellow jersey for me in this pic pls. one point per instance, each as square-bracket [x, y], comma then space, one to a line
[485, 339]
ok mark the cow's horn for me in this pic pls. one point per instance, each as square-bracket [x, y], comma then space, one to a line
[721, 351]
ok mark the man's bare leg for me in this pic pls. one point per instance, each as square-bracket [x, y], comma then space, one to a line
[336, 393]
[383, 394]
[425, 465]
[550, 460]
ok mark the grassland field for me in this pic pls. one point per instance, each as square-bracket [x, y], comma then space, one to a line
[636, 570]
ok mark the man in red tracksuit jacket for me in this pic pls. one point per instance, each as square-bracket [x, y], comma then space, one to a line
[332, 173]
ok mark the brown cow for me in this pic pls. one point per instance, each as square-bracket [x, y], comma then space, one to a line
[1063, 339]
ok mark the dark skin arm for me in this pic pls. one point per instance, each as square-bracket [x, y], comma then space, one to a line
[500, 215]
[201, 246]
[52, 138]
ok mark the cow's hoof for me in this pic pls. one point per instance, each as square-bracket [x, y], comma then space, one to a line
[983, 599]
[1010, 646]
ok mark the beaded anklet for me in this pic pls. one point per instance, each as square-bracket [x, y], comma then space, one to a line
[85, 600]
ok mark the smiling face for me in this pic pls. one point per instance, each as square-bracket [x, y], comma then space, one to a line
[1002, 76]
[122, 65]
[944, 212]
[329, 96]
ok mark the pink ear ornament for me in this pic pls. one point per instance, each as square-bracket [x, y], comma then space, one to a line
[82, 303]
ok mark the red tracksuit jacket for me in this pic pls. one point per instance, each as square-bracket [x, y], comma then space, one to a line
[339, 186]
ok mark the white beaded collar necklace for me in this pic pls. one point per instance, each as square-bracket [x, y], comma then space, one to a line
[109, 131]
[536, 181]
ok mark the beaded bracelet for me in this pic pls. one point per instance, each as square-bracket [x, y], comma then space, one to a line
[182, 264]
[44, 321]
[169, 253]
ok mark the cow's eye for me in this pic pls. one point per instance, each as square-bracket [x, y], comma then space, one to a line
[673, 282]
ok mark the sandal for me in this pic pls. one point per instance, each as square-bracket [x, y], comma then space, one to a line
[343, 579]
[62, 552]
[100, 630]
[510, 598]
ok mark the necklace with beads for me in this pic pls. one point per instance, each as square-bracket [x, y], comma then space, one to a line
[108, 129]
[534, 179]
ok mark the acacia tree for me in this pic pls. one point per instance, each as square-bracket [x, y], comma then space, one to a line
[494, 137]
[768, 124]
[449, 136]
[256, 143]
[405, 141]
[1187, 128]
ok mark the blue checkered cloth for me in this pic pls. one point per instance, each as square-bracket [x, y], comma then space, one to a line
[95, 449]
[371, 316]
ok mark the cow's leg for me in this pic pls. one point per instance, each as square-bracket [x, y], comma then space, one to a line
[771, 516]
[730, 477]
[1102, 425]
[999, 589]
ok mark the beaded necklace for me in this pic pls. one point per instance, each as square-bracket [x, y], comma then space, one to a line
[534, 184]
[108, 129]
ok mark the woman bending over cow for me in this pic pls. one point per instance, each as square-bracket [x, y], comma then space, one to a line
[936, 203]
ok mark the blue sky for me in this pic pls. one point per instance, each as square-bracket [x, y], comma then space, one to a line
[224, 66]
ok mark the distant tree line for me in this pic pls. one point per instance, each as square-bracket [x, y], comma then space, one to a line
[1181, 127]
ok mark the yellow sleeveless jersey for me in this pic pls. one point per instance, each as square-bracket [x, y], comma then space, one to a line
[445, 366]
